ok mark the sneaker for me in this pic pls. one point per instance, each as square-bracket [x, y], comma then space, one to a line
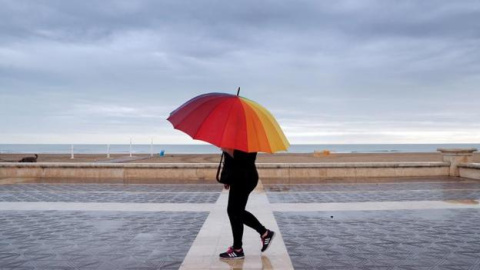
[231, 254]
[267, 240]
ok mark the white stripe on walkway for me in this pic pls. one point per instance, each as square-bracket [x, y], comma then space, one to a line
[216, 236]
[125, 207]
[367, 206]
[277, 207]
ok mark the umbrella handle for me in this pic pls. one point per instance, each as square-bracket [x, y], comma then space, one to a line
[219, 168]
[238, 91]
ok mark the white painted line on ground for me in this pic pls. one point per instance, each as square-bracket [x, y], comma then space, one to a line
[372, 191]
[277, 207]
[107, 192]
[215, 237]
[371, 206]
[124, 207]
[402, 182]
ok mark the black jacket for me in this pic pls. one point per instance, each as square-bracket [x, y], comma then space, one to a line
[240, 167]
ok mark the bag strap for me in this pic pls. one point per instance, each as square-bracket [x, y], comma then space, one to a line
[219, 168]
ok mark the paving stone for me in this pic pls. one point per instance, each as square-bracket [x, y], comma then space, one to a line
[455, 184]
[154, 188]
[32, 192]
[328, 193]
[406, 239]
[103, 240]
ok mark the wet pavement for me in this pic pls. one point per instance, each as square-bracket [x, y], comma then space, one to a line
[154, 188]
[380, 192]
[402, 239]
[428, 224]
[96, 240]
[104, 193]
[402, 186]
[393, 239]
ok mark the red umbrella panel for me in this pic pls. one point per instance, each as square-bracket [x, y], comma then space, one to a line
[230, 121]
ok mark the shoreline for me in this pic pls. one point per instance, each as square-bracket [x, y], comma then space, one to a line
[146, 149]
[215, 158]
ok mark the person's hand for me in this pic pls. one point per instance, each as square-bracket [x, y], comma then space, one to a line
[226, 186]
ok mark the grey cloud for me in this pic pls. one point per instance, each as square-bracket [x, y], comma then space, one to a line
[237, 21]
[355, 62]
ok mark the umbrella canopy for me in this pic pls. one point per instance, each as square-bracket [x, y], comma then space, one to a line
[230, 121]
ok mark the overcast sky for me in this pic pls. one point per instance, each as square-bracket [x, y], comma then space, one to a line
[330, 71]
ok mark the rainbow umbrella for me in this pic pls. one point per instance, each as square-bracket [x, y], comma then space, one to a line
[230, 121]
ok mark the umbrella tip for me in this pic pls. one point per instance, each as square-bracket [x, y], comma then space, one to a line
[238, 91]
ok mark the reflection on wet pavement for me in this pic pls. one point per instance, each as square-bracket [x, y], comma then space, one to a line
[240, 263]
[464, 201]
[401, 239]
[378, 192]
[96, 240]
[384, 232]
[120, 193]
[373, 186]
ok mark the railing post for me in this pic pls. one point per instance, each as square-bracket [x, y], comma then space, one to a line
[456, 156]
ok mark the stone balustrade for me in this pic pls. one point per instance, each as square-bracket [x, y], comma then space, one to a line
[281, 172]
[470, 170]
[456, 162]
[456, 156]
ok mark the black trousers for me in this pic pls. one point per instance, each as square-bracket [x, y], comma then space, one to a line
[237, 201]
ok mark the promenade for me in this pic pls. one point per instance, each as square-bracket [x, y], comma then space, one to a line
[413, 223]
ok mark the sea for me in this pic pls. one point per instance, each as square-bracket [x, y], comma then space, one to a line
[209, 149]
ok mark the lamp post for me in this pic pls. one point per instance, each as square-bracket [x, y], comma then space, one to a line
[130, 147]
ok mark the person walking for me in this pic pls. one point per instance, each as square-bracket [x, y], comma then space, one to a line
[235, 122]
[240, 174]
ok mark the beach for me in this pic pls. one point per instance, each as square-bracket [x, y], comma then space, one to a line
[214, 158]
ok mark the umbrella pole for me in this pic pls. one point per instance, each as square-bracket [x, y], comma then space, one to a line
[238, 91]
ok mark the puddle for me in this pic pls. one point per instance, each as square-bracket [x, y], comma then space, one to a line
[467, 201]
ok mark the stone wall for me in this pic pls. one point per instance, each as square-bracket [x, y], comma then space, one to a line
[471, 170]
[131, 172]
[457, 162]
